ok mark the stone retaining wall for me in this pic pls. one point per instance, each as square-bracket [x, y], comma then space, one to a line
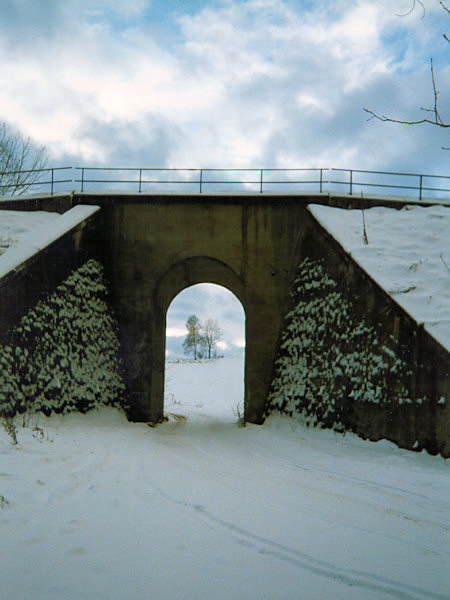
[352, 358]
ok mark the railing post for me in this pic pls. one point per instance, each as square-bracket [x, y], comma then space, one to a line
[351, 182]
[201, 180]
[51, 193]
[140, 180]
[420, 189]
[82, 178]
[321, 179]
[261, 182]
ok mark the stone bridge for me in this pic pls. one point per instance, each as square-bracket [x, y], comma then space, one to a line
[155, 245]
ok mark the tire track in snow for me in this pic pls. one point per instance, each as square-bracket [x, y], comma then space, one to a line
[266, 546]
[415, 499]
[375, 485]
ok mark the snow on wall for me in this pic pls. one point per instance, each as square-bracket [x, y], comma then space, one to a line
[17, 225]
[407, 253]
[329, 359]
[63, 355]
[37, 234]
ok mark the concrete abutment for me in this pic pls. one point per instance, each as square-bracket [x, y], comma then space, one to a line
[154, 250]
[154, 246]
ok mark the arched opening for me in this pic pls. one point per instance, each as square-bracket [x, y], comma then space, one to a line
[204, 370]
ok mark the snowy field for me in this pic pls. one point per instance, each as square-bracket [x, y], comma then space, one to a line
[408, 254]
[97, 508]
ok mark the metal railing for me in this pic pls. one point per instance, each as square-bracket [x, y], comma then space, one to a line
[198, 179]
[141, 180]
[21, 181]
[352, 183]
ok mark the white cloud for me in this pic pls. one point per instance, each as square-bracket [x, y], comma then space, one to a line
[176, 332]
[222, 345]
[258, 83]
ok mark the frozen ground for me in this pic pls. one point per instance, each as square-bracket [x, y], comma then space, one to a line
[408, 254]
[199, 508]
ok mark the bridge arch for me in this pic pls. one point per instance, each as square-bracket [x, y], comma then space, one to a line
[181, 275]
[195, 270]
[155, 246]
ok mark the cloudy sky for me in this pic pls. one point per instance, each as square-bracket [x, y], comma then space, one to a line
[206, 301]
[226, 83]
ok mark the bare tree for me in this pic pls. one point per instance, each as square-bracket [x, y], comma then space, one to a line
[433, 114]
[211, 334]
[20, 161]
[193, 339]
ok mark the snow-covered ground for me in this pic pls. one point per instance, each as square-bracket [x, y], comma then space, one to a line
[199, 508]
[408, 254]
[213, 383]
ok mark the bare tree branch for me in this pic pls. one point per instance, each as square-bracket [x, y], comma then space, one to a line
[212, 334]
[20, 161]
[444, 35]
[437, 120]
[403, 122]
[444, 7]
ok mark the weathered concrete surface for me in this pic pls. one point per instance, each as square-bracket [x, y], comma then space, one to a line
[59, 203]
[422, 424]
[154, 249]
[155, 246]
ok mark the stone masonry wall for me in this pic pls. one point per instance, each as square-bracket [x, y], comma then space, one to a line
[339, 370]
[63, 355]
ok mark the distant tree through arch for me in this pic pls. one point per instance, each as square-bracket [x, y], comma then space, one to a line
[218, 385]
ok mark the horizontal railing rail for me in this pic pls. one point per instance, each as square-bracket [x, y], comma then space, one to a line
[21, 181]
[150, 179]
[352, 183]
[203, 177]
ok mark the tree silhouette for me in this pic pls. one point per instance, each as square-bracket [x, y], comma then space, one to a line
[211, 334]
[20, 161]
[194, 336]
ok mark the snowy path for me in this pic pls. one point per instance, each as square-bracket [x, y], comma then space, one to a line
[199, 508]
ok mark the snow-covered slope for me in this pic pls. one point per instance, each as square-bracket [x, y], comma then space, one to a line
[93, 507]
[18, 225]
[23, 235]
[408, 254]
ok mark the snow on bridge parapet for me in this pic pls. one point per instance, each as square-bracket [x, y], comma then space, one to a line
[37, 262]
[406, 252]
[44, 235]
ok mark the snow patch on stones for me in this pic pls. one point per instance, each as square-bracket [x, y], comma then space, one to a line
[64, 354]
[330, 359]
